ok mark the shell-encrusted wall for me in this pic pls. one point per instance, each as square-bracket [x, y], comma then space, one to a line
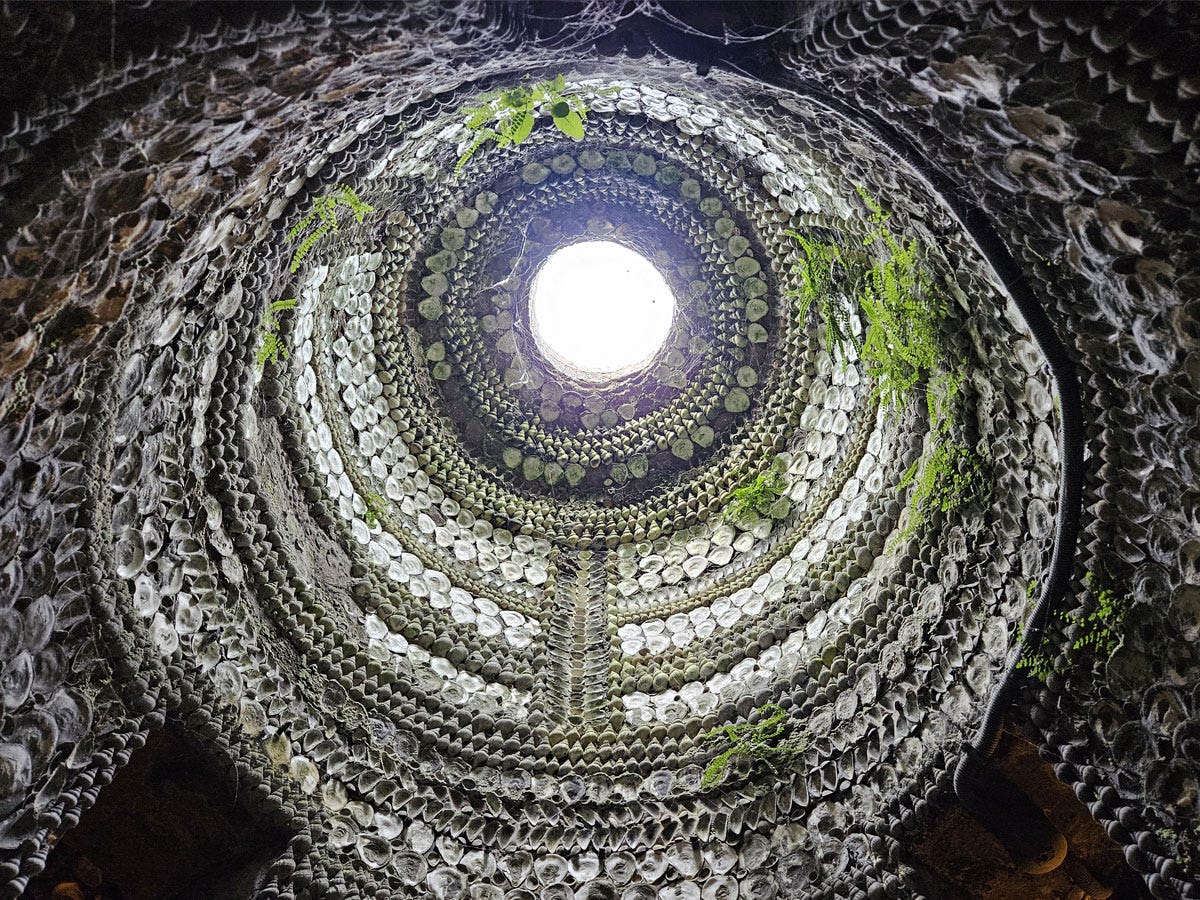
[461, 620]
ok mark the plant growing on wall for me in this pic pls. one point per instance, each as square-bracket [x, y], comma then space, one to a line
[761, 497]
[376, 506]
[946, 479]
[270, 345]
[951, 474]
[901, 349]
[1102, 630]
[817, 269]
[774, 740]
[903, 310]
[323, 219]
[1098, 636]
[505, 117]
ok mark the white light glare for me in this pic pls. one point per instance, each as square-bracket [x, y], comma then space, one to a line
[600, 310]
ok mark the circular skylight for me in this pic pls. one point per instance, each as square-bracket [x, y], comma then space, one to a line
[600, 310]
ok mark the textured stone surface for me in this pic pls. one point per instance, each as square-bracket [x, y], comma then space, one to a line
[459, 621]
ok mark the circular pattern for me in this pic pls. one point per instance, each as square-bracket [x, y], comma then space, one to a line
[464, 620]
[495, 575]
[548, 598]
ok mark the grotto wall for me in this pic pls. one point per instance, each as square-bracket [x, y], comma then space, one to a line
[458, 623]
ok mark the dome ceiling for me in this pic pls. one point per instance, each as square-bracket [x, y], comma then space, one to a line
[471, 623]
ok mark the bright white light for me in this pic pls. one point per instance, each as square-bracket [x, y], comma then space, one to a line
[600, 310]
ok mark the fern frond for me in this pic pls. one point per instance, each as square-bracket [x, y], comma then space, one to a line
[948, 478]
[324, 216]
[518, 128]
[348, 198]
[774, 740]
[306, 245]
[271, 347]
[512, 113]
[270, 350]
[481, 138]
[301, 226]
[818, 269]
[477, 115]
[756, 498]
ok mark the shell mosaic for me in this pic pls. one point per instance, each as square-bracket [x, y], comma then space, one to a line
[460, 620]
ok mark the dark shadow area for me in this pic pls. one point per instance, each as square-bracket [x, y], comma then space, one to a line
[957, 858]
[169, 827]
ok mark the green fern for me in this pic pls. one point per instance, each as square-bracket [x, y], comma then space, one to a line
[1101, 632]
[376, 506]
[270, 346]
[1038, 664]
[774, 740]
[942, 391]
[901, 349]
[1103, 627]
[951, 475]
[817, 269]
[904, 312]
[886, 281]
[760, 497]
[506, 116]
[946, 479]
[1034, 660]
[482, 136]
[324, 218]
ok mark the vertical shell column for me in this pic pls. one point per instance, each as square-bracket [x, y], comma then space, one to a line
[576, 688]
